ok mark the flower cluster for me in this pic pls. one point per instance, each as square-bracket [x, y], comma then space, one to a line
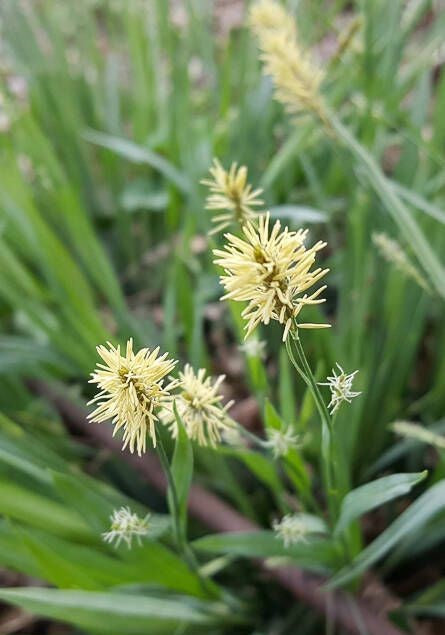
[272, 272]
[125, 526]
[131, 392]
[232, 195]
[296, 78]
[199, 406]
[281, 441]
[291, 529]
[340, 386]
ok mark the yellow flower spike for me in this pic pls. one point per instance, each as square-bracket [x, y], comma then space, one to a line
[393, 253]
[131, 392]
[231, 194]
[296, 78]
[272, 272]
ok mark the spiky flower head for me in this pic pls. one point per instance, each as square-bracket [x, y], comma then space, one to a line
[253, 347]
[131, 392]
[296, 78]
[199, 406]
[392, 252]
[272, 272]
[231, 195]
[417, 432]
[281, 441]
[340, 386]
[291, 529]
[125, 526]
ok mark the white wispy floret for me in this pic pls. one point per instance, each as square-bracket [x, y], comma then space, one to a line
[199, 406]
[125, 526]
[131, 392]
[281, 441]
[253, 347]
[340, 386]
[291, 529]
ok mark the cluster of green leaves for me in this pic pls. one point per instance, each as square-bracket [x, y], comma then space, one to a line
[100, 207]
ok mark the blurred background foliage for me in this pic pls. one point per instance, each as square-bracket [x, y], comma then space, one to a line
[110, 114]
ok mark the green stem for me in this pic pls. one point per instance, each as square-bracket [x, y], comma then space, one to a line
[181, 539]
[302, 366]
[173, 499]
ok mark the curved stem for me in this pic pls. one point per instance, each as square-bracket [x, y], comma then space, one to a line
[302, 366]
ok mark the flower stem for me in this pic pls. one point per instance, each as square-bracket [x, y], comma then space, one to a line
[180, 536]
[174, 501]
[301, 364]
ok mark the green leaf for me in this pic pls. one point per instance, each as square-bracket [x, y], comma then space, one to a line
[271, 417]
[396, 208]
[69, 565]
[13, 553]
[38, 511]
[259, 465]
[407, 525]
[95, 502]
[140, 154]
[367, 497]
[113, 613]
[182, 467]
[417, 201]
[140, 196]
[312, 553]
[299, 214]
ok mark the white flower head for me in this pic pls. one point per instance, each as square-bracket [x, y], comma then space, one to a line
[253, 347]
[199, 406]
[340, 386]
[271, 269]
[291, 529]
[281, 441]
[125, 525]
[131, 392]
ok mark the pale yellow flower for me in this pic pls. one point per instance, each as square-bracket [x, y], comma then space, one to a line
[272, 273]
[199, 406]
[253, 347]
[281, 441]
[125, 526]
[392, 252]
[291, 529]
[296, 78]
[131, 392]
[230, 194]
